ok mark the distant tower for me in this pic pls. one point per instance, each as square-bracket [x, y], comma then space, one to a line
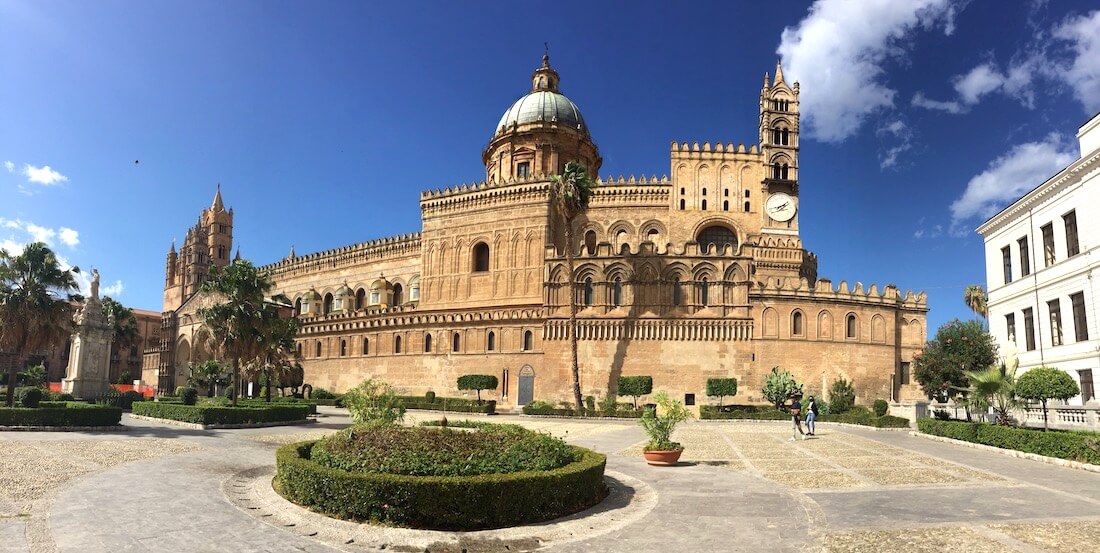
[779, 127]
[208, 243]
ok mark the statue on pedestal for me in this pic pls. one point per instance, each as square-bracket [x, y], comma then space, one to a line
[90, 352]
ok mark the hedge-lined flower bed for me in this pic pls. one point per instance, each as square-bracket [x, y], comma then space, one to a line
[441, 502]
[1083, 447]
[458, 405]
[858, 416]
[72, 414]
[212, 414]
[539, 408]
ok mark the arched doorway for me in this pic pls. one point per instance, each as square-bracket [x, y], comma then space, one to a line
[526, 392]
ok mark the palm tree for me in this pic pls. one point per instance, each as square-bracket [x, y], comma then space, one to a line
[234, 319]
[209, 374]
[35, 308]
[570, 193]
[276, 352]
[976, 299]
[994, 387]
[124, 329]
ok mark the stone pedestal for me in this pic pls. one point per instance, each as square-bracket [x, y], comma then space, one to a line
[90, 353]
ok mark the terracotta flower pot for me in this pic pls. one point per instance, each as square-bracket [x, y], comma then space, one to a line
[663, 458]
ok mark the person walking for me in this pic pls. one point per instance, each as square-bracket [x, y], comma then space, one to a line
[811, 415]
[796, 417]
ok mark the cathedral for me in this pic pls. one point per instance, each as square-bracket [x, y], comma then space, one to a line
[691, 276]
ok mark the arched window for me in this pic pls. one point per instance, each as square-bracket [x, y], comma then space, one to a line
[704, 292]
[653, 235]
[528, 337]
[366, 346]
[491, 343]
[796, 323]
[620, 239]
[360, 298]
[681, 205]
[786, 137]
[327, 305]
[455, 342]
[725, 205]
[398, 294]
[677, 294]
[704, 191]
[852, 327]
[590, 242]
[704, 205]
[588, 292]
[397, 344]
[617, 292]
[298, 307]
[343, 348]
[427, 343]
[746, 207]
[481, 257]
[318, 349]
[718, 237]
[299, 349]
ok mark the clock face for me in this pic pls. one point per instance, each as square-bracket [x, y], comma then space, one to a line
[780, 207]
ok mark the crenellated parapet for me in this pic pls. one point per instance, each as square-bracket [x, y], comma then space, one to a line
[484, 194]
[409, 317]
[355, 254]
[718, 148]
[823, 290]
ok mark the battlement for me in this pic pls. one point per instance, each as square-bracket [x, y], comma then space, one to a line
[728, 148]
[346, 255]
[823, 290]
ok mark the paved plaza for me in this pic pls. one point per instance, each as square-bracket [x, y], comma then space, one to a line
[742, 486]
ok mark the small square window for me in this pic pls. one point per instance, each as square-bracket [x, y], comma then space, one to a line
[523, 169]
[689, 399]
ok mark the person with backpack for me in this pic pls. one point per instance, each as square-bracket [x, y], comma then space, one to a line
[811, 415]
[796, 417]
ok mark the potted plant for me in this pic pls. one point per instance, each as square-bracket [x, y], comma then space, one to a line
[659, 424]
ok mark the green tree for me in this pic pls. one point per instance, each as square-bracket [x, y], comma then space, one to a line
[958, 348]
[35, 308]
[721, 387]
[975, 298]
[477, 382]
[842, 396]
[276, 353]
[373, 402]
[33, 376]
[1046, 383]
[570, 193]
[659, 423]
[209, 375]
[778, 386]
[238, 292]
[993, 387]
[635, 386]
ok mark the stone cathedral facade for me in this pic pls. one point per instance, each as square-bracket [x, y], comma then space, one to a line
[701, 274]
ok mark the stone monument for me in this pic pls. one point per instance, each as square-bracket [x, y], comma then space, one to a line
[90, 353]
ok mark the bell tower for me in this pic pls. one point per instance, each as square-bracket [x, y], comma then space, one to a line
[207, 243]
[779, 126]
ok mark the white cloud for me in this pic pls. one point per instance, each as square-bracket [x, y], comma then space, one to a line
[43, 175]
[980, 81]
[984, 80]
[902, 136]
[1083, 74]
[68, 236]
[40, 233]
[9, 166]
[838, 50]
[11, 246]
[113, 290]
[920, 101]
[1008, 177]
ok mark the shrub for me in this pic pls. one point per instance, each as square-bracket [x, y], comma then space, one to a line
[635, 386]
[419, 451]
[215, 414]
[429, 396]
[128, 398]
[112, 397]
[881, 407]
[74, 414]
[188, 395]
[721, 387]
[230, 391]
[458, 404]
[441, 502]
[659, 427]
[616, 410]
[749, 412]
[124, 378]
[842, 396]
[179, 391]
[1046, 383]
[61, 396]
[477, 382]
[779, 386]
[859, 415]
[374, 402]
[1083, 447]
[28, 396]
[590, 403]
[321, 393]
[33, 376]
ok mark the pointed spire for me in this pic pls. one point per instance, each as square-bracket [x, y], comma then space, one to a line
[173, 250]
[217, 205]
[237, 257]
[778, 71]
[767, 83]
[290, 256]
[545, 78]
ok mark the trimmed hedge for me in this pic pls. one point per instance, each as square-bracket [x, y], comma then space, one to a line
[73, 414]
[542, 409]
[1083, 447]
[458, 405]
[747, 412]
[441, 502]
[212, 414]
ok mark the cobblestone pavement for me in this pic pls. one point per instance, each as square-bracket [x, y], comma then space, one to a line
[740, 487]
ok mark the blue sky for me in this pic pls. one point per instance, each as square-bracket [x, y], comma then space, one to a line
[324, 121]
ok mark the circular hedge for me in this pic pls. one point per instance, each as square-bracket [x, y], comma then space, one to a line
[441, 502]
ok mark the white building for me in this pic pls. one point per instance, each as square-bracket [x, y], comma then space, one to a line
[1042, 259]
